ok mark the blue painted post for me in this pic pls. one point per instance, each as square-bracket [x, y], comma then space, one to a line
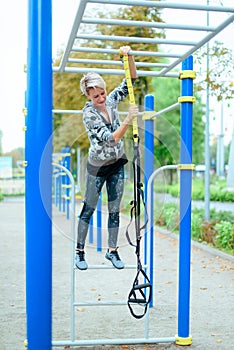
[67, 164]
[57, 186]
[99, 224]
[38, 197]
[91, 230]
[149, 168]
[54, 186]
[63, 181]
[186, 100]
[60, 184]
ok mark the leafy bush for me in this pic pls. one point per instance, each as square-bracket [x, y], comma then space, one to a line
[207, 232]
[198, 193]
[219, 232]
[217, 216]
[196, 225]
[174, 190]
[169, 216]
[224, 235]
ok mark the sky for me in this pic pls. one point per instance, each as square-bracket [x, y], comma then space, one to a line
[13, 38]
[12, 58]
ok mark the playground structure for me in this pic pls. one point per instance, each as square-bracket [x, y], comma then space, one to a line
[39, 133]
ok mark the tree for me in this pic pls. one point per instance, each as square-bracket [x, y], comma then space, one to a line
[220, 71]
[219, 78]
[17, 154]
[66, 86]
[136, 13]
[68, 129]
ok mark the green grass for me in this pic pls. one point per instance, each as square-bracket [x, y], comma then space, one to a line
[218, 192]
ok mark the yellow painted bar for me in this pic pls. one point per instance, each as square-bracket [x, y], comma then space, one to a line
[182, 99]
[66, 186]
[187, 74]
[186, 166]
[25, 111]
[66, 155]
[183, 341]
[148, 115]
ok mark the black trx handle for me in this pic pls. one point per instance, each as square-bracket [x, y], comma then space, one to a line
[140, 295]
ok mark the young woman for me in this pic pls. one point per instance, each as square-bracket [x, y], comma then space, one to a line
[106, 157]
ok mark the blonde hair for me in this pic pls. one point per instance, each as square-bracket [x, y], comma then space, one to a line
[91, 80]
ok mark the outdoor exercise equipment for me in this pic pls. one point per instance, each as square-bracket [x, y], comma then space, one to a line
[39, 139]
[140, 293]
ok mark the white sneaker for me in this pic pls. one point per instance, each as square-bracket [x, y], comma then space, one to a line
[113, 256]
[81, 264]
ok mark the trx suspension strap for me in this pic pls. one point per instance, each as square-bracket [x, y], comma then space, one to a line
[140, 294]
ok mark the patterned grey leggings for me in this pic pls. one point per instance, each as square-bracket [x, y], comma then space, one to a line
[114, 187]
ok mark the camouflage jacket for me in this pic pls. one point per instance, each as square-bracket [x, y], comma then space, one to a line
[103, 149]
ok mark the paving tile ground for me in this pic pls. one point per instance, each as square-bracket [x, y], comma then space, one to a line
[212, 290]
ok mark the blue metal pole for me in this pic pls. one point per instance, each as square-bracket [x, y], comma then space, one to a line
[60, 184]
[91, 230]
[185, 206]
[99, 224]
[38, 153]
[55, 187]
[63, 178]
[38, 197]
[57, 184]
[148, 170]
[67, 164]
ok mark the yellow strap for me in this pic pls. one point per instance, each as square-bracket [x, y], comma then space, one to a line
[131, 96]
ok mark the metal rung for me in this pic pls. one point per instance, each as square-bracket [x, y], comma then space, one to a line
[101, 303]
[135, 39]
[115, 63]
[110, 267]
[113, 341]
